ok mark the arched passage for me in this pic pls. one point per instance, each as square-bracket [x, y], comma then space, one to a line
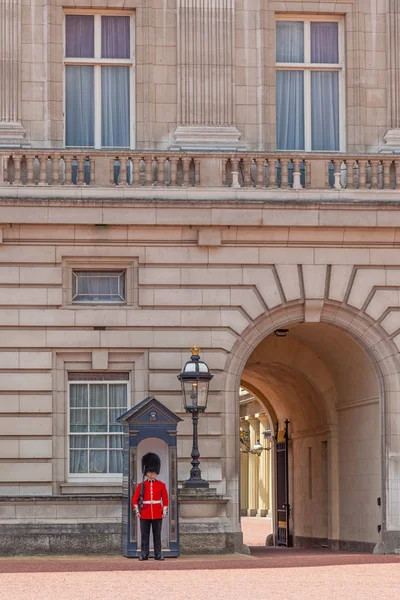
[329, 379]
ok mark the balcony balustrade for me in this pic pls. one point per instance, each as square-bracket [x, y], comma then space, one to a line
[262, 170]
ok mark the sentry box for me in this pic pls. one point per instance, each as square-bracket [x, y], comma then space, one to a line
[149, 427]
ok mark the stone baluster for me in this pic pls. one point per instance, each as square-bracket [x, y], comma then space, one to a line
[327, 174]
[284, 173]
[174, 170]
[92, 172]
[226, 165]
[350, 174]
[29, 170]
[272, 180]
[387, 165]
[307, 166]
[235, 172]
[4, 167]
[197, 171]
[362, 174]
[17, 169]
[80, 180]
[148, 170]
[186, 170]
[160, 171]
[122, 173]
[136, 170]
[246, 172]
[112, 170]
[296, 174]
[338, 174]
[397, 168]
[11, 131]
[68, 169]
[55, 172]
[42, 169]
[374, 173]
[260, 172]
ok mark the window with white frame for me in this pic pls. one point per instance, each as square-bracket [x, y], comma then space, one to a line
[310, 84]
[96, 400]
[98, 286]
[99, 79]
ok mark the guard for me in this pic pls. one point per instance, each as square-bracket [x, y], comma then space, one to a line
[150, 504]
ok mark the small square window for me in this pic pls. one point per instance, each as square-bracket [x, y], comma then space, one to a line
[99, 286]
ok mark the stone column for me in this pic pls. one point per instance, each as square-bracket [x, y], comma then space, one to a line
[244, 476]
[206, 52]
[264, 491]
[254, 468]
[11, 130]
[392, 137]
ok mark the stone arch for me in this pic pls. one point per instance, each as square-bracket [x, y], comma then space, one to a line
[384, 358]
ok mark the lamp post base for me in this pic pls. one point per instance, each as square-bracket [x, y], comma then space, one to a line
[195, 483]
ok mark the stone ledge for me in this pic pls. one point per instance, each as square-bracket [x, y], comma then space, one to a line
[62, 498]
[120, 195]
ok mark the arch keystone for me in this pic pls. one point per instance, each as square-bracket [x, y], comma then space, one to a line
[313, 310]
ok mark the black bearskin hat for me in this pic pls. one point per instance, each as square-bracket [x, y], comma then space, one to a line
[151, 462]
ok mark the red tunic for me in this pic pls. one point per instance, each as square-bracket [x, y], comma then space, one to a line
[155, 499]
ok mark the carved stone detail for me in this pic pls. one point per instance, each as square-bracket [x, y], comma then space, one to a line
[392, 137]
[11, 130]
[206, 74]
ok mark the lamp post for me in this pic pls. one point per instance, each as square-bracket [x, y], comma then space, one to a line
[195, 379]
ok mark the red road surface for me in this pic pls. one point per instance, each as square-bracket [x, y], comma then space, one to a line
[279, 573]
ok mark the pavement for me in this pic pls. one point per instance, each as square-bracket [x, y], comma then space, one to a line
[282, 573]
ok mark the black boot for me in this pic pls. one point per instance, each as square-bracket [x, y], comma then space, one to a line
[143, 557]
[159, 557]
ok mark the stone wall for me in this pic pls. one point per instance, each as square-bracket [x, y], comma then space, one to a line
[243, 32]
[267, 268]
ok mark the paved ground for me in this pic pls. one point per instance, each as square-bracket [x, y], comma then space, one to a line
[255, 530]
[269, 573]
[284, 574]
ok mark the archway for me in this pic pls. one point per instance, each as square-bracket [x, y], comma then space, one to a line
[329, 378]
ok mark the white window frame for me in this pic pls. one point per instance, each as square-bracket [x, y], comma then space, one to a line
[93, 477]
[97, 63]
[308, 66]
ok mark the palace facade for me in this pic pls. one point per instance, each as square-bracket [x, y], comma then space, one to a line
[223, 173]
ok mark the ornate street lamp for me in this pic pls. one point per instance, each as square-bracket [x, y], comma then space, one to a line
[195, 379]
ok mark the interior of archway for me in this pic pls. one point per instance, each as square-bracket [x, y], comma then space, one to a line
[323, 382]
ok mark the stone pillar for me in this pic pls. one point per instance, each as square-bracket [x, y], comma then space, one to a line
[206, 52]
[244, 476]
[254, 468]
[392, 137]
[264, 491]
[11, 130]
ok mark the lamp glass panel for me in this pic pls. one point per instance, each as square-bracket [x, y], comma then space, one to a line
[202, 394]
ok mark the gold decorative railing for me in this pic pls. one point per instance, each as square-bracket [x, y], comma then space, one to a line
[169, 169]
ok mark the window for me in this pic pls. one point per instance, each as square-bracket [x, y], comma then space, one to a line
[96, 400]
[98, 286]
[98, 80]
[309, 84]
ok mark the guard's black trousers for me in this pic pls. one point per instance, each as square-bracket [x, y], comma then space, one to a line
[156, 525]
